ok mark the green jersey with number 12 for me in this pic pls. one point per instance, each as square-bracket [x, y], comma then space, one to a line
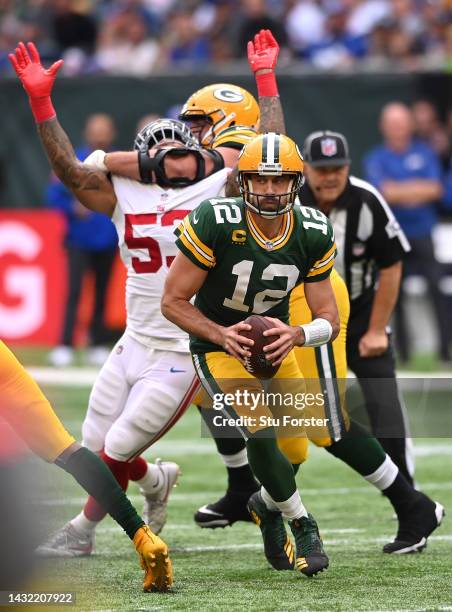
[249, 273]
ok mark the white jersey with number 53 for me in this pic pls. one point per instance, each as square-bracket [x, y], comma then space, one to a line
[145, 218]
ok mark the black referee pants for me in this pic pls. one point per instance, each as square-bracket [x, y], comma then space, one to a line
[377, 379]
[79, 261]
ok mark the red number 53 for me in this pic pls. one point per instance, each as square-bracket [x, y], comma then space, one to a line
[155, 261]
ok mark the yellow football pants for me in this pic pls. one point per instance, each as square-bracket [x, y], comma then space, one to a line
[322, 365]
[326, 364]
[221, 374]
[24, 406]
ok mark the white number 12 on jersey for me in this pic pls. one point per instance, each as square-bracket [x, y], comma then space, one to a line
[261, 304]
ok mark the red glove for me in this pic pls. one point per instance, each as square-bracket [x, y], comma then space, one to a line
[263, 55]
[36, 81]
[264, 52]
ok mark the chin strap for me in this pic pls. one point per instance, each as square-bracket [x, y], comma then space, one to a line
[152, 169]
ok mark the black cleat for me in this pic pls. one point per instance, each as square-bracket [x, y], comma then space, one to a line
[415, 526]
[278, 547]
[226, 511]
[311, 558]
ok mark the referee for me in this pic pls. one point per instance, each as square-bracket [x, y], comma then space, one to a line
[370, 246]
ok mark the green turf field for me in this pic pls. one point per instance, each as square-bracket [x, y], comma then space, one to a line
[225, 569]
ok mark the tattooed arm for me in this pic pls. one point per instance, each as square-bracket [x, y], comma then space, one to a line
[90, 186]
[272, 116]
[231, 189]
[262, 57]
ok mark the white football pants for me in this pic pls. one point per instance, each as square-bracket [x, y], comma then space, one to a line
[138, 396]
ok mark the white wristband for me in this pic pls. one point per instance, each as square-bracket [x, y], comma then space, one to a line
[317, 332]
[96, 159]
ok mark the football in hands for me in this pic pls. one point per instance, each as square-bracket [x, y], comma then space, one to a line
[257, 364]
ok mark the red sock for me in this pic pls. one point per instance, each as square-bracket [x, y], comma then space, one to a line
[94, 511]
[137, 469]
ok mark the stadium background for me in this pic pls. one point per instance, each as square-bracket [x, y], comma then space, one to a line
[350, 104]
[340, 95]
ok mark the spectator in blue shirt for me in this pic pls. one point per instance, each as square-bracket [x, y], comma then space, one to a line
[90, 243]
[408, 174]
[448, 190]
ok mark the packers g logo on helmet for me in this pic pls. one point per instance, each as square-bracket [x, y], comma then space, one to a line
[222, 105]
[228, 95]
[270, 154]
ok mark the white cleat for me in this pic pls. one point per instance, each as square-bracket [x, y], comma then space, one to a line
[61, 356]
[66, 542]
[156, 504]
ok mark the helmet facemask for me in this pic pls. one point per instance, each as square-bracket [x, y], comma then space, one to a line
[254, 200]
[217, 120]
[270, 156]
[164, 129]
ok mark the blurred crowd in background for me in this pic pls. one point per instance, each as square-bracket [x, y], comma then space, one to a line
[142, 37]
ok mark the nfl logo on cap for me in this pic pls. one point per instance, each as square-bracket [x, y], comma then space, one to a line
[328, 147]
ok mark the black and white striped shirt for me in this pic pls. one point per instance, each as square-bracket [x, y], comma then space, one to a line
[368, 237]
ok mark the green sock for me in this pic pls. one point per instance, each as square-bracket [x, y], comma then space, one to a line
[271, 467]
[97, 480]
[359, 450]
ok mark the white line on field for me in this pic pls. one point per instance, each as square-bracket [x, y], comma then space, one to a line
[202, 495]
[259, 546]
[82, 377]
[326, 541]
[430, 450]
[205, 446]
[64, 377]
[185, 526]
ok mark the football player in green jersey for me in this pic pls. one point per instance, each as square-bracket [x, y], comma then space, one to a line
[242, 255]
[418, 516]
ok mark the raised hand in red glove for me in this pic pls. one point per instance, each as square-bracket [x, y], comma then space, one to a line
[262, 58]
[36, 80]
[263, 53]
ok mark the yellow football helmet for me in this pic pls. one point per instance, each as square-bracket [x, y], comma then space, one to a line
[222, 105]
[270, 154]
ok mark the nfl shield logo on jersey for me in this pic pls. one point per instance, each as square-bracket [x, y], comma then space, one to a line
[328, 147]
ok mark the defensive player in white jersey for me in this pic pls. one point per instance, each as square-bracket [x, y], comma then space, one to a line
[145, 385]
[148, 380]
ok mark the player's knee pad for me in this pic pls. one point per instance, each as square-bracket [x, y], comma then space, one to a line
[155, 415]
[93, 436]
[106, 403]
[295, 449]
[346, 432]
[146, 416]
[107, 396]
[323, 442]
[122, 443]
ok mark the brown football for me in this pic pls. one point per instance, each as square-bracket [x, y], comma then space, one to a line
[257, 364]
